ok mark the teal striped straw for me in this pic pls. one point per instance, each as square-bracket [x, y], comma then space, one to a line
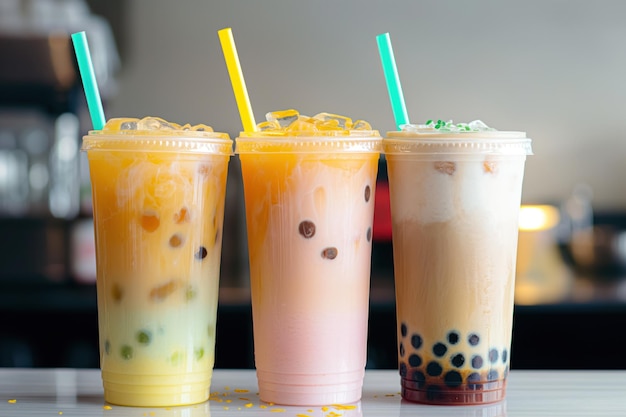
[94, 103]
[393, 80]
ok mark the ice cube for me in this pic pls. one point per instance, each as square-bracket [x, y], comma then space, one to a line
[361, 125]
[342, 121]
[479, 126]
[154, 123]
[269, 125]
[303, 124]
[283, 117]
[202, 128]
[120, 123]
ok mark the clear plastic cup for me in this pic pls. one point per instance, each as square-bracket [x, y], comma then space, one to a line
[455, 200]
[309, 204]
[158, 206]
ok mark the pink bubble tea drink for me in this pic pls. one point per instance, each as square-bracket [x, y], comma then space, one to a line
[158, 204]
[455, 196]
[309, 187]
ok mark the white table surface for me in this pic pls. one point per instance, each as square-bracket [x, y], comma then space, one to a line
[78, 392]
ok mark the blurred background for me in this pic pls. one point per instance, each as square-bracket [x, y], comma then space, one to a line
[554, 69]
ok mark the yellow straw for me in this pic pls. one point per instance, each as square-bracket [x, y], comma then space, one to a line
[236, 79]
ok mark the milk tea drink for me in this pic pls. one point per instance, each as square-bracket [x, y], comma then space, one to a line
[455, 195]
[309, 186]
[158, 204]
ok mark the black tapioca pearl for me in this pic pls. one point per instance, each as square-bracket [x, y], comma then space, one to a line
[458, 360]
[415, 360]
[493, 355]
[401, 349]
[107, 347]
[144, 337]
[472, 381]
[368, 193]
[439, 349]
[403, 370]
[453, 379]
[150, 221]
[176, 240]
[201, 253]
[329, 253]
[368, 234]
[126, 352]
[307, 229]
[473, 339]
[403, 329]
[505, 355]
[433, 368]
[432, 392]
[416, 341]
[453, 338]
[477, 361]
[493, 375]
[419, 377]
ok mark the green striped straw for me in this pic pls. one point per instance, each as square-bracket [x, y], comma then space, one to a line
[393, 80]
[94, 103]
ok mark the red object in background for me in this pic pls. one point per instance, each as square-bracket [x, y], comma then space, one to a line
[382, 213]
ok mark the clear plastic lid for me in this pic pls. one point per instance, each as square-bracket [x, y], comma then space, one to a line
[307, 142]
[160, 141]
[435, 142]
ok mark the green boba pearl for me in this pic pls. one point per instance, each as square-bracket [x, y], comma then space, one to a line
[144, 337]
[176, 358]
[190, 293]
[127, 352]
[107, 347]
[199, 353]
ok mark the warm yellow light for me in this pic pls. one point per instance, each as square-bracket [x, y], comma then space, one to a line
[538, 217]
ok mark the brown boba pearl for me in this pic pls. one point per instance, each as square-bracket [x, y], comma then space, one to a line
[490, 167]
[445, 167]
[161, 292]
[176, 240]
[201, 253]
[329, 253]
[368, 193]
[116, 292]
[307, 229]
[182, 216]
[369, 234]
[150, 221]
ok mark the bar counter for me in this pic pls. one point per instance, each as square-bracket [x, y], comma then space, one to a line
[78, 392]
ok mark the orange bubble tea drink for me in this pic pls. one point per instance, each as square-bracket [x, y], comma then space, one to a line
[158, 204]
[309, 198]
[455, 194]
